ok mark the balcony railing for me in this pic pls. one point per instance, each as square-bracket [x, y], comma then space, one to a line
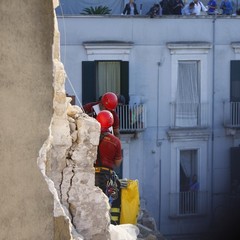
[231, 113]
[188, 203]
[132, 118]
[189, 115]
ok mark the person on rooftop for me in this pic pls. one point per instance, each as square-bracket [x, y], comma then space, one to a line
[212, 7]
[226, 7]
[199, 7]
[189, 9]
[177, 7]
[130, 8]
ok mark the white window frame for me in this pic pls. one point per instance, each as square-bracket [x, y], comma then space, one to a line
[202, 162]
[189, 52]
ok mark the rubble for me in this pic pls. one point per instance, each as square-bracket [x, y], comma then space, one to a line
[147, 227]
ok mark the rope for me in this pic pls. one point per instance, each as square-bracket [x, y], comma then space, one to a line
[64, 57]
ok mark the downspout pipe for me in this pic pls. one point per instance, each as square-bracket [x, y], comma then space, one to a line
[213, 118]
[158, 144]
[158, 79]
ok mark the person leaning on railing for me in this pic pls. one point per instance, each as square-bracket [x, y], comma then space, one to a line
[199, 7]
[212, 7]
[194, 184]
[226, 7]
[189, 9]
[130, 8]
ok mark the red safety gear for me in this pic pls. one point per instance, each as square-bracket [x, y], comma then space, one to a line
[109, 100]
[105, 118]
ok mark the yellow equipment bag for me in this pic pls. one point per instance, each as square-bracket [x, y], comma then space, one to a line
[130, 203]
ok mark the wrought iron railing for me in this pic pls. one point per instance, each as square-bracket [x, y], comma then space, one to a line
[231, 113]
[132, 118]
[188, 203]
[189, 115]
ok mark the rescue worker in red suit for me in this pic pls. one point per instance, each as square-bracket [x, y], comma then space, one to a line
[108, 101]
[109, 156]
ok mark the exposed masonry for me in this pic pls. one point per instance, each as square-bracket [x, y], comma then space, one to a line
[66, 161]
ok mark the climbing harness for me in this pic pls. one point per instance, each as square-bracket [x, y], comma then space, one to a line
[112, 187]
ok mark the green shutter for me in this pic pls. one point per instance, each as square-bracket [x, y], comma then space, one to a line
[124, 85]
[235, 81]
[235, 163]
[88, 82]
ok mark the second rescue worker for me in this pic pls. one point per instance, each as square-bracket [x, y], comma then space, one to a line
[109, 150]
[109, 156]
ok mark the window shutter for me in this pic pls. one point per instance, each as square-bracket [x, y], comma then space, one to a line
[124, 85]
[235, 164]
[88, 82]
[235, 81]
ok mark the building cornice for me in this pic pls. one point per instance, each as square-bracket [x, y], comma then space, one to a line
[188, 134]
[189, 47]
[236, 47]
[108, 50]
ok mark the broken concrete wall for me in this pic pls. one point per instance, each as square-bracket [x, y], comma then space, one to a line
[66, 162]
[26, 95]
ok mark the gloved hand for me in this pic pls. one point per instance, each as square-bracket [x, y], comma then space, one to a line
[123, 183]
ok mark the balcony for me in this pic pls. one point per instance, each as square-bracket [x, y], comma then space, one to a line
[188, 204]
[189, 115]
[231, 113]
[132, 118]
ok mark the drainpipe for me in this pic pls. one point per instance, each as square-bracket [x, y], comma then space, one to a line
[158, 144]
[158, 140]
[158, 80]
[213, 129]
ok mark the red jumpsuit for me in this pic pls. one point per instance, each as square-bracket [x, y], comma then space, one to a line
[109, 151]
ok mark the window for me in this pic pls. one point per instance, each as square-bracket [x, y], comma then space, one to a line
[99, 77]
[235, 81]
[189, 84]
[189, 160]
[106, 69]
[188, 94]
[232, 106]
[108, 77]
[188, 168]
[189, 182]
[235, 92]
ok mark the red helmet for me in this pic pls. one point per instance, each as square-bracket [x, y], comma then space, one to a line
[105, 118]
[109, 100]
